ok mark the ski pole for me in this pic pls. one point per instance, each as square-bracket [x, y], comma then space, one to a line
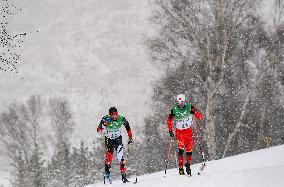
[105, 137]
[200, 148]
[126, 159]
[128, 149]
[105, 142]
[169, 154]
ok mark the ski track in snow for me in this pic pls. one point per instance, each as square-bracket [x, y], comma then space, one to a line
[260, 168]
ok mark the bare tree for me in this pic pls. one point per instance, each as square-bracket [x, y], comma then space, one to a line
[15, 131]
[214, 38]
[62, 123]
[267, 59]
[20, 135]
[278, 10]
[61, 120]
[21, 174]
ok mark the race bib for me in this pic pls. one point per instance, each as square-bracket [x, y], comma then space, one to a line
[184, 123]
[113, 133]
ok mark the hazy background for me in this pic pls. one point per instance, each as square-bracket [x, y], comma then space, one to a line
[90, 52]
[93, 53]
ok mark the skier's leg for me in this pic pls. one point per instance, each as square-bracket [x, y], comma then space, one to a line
[118, 146]
[180, 157]
[108, 162]
[180, 144]
[188, 154]
[120, 158]
[187, 164]
[109, 153]
[122, 163]
[180, 161]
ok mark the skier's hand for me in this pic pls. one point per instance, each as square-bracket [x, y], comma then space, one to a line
[130, 141]
[99, 130]
[171, 133]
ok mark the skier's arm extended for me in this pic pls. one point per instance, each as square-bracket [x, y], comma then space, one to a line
[195, 112]
[170, 123]
[128, 129]
[103, 122]
[100, 126]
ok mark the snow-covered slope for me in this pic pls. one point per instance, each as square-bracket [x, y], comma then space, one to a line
[259, 168]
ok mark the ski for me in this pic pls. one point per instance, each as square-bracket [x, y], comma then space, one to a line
[186, 175]
[110, 180]
[134, 182]
[201, 168]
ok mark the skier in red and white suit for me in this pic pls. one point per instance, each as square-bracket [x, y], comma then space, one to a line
[182, 116]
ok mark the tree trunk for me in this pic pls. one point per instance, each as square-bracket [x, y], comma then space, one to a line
[237, 127]
[210, 130]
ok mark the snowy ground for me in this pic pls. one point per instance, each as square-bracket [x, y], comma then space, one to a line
[255, 169]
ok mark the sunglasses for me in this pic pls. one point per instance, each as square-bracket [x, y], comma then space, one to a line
[113, 114]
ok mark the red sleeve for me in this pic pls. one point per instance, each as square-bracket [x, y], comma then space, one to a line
[198, 115]
[100, 126]
[195, 112]
[170, 123]
[129, 132]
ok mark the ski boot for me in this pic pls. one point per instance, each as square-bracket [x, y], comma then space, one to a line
[107, 174]
[187, 169]
[108, 177]
[123, 177]
[181, 171]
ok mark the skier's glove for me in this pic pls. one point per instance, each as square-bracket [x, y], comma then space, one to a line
[171, 133]
[99, 129]
[130, 141]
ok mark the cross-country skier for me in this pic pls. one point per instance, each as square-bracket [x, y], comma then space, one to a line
[111, 125]
[182, 115]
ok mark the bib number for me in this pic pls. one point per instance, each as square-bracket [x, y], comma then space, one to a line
[184, 123]
[113, 133]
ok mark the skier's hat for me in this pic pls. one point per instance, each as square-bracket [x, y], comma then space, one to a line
[180, 98]
[112, 109]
